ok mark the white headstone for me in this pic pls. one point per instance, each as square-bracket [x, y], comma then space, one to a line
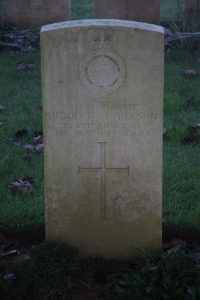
[102, 101]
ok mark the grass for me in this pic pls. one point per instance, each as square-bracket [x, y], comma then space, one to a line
[181, 189]
[56, 272]
[21, 94]
[53, 267]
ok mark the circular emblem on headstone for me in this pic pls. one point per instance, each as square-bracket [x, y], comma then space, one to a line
[102, 71]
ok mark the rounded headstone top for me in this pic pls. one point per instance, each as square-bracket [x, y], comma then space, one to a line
[103, 22]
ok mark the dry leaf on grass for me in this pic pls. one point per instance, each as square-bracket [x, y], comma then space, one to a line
[39, 148]
[189, 73]
[24, 66]
[31, 66]
[29, 179]
[21, 66]
[38, 139]
[14, 142]
[22, 185]
[10, 276]
[29, 147]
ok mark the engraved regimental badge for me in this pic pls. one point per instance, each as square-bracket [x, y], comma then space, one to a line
[102, 70]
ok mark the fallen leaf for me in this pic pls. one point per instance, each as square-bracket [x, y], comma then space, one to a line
[189, 73]
[39, 148]
[21, 66]
[14, 142]
[31, 66]
[29, 147]
[29, 179]
[24, 66]
[20, 186]
[21, 133]
[10, 276]
[38, 139]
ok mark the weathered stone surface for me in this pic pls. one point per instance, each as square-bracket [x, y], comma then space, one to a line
[102, 102]
[27, 14]
[136, 10]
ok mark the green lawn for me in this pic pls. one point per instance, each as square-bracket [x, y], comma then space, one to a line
[20, 93]
[181, 189]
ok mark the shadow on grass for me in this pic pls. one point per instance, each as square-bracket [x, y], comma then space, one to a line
[190, 235]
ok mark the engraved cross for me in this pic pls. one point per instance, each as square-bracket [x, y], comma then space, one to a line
[103, 170]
